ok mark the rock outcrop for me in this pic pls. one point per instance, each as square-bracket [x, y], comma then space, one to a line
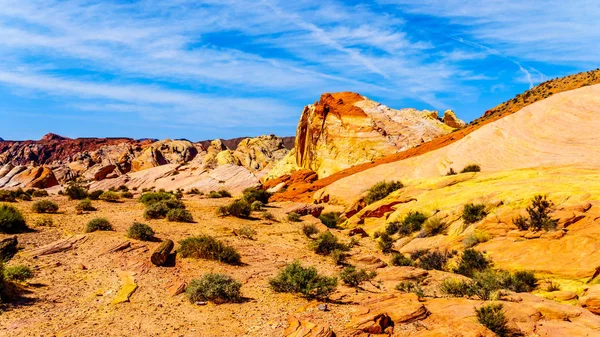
[345, 129]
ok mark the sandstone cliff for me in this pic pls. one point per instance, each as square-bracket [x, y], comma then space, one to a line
[345, 129]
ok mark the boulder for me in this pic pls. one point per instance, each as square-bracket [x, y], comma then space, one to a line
[452, 121]
[591, 299]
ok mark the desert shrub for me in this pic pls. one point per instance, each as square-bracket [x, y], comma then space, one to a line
[330, 220]
[45, 221]
[127, 195]
[180, 215]
[381, 190]
[247, 232]
[219, 194]
[473, 213]
[492, 317]
[521, 222]
[11, 220]
[140, 231]
[95, 195]
[238, 208]
[486, 283]
[257, 206]
[7, 196]
[218, 288]
[398, 259]
[475, 238]
[411, 287]
[471, 261]
[268, 215]
[76, 192]
[325, 243]
[295, 278]
[160, 209]
[195, 191]
[411, 223]
[385, 243]
[252, 194]
[309, 230]
[150, 198]
[110, 196]
[17, 273]
[552, 286]
[471, 168]
[456, 287]
[451, 172]
[39, 193]
[294, 217]
[539, 214]
[353, 277]
[123, 188]
[85, 205]
[338, 256]
[432, 227]
[522, 281]
[44, 206]
[434, 259]
[209, 248]
[417, 254]
[98, 224]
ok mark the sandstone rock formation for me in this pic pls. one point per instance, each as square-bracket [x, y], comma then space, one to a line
[344, 129]
[164, 152]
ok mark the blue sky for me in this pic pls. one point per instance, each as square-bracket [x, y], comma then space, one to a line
[224, 68]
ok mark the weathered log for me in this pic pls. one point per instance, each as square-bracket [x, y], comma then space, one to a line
[120, 246]
[8, 248]
[59, 246]
[159, 257]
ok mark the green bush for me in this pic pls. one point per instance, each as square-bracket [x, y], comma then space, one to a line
[207, 247]
[218, 288]
[382, 190]
[472, 261]
[110, 196]
[44, 206]
[309, 230]
[85, 205]
[127, 195]
[76, 192]
[294, 217]
[95, 195]
[45, 221]
[11, 220]
[160, 209]
[432, 227]
[247, 232]
[455, 287]
[180, 215]
[385, 242]
[492, 317]
[411, 287]
[150, 198]
[140, 231]
[522, 281]
[123, 188]
[219, 194]
[434, 259]
[326, 243]
[354, 278]
[252, 194]
[471, 168]
[338, 256]
[539, 214]
[411, 223]
[268, 216]
[330, 220]
[98, 224]
[401, 260]
[295, 278]
[485, 284]
[238, 208]
[473, 213]
[17, 273]
[39, 193]
[195, 191]
[475, 238]
[257, 206]
[7, 196]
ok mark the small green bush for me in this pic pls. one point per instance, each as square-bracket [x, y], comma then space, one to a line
[98, 224]
[140, 231]
[218, 288]
[150, 198]
[247, 232]
[539, 214]
[45, 221]
[160, 209]
[180, 215]
[11, 220]
[385, 242]
[76, 192]
[326, 243]
[219, 194]
[294, 217]
[207, 247]
[257, 206]
[338, 256]
[382, 190]
[44, 206]
[7, 196]
[455, 287]
[492, 317]
[123, 188]
[95, 195]
[353, 277]
[411, 223]
[110, 196]
[432, 227]
[472, 261]
[17, 273]
[434, 259]
[39, 193]
[252, 194]
[522, 281]
[330, 220]
[127, 195]
[411, 287]
[295, 278]
[85, 205]
[476, 238]
[471, 168]
[238, 208]
[473, 213]
[401, 260]
[268, 216]
[309, 230]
